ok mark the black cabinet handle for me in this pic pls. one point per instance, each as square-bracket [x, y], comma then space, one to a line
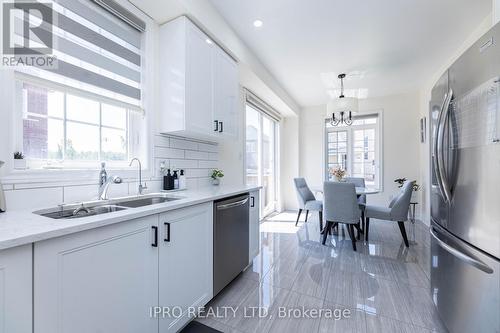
[221, 129]
[155, 236]
[167, 231]
[216, 122]
[252, 201]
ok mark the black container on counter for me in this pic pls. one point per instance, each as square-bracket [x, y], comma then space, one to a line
[168, 181]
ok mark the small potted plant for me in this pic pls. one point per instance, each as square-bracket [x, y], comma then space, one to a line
[19, 161]
[216, 176]
[338, 173]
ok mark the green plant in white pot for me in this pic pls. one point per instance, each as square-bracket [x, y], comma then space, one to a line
[217, 174]
[19, 161]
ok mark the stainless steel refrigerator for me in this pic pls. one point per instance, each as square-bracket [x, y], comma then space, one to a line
[465, 191]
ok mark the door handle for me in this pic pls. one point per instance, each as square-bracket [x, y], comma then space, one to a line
[440, 156]
[438, 148]
[232, 204]
[167, 232]
[221, 129]
[460, 255]
[155, 236]
[216, 127]
[252, 202]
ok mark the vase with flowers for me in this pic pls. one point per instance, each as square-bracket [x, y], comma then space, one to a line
[338, 173]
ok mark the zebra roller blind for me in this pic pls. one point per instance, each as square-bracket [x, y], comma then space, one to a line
[98, 49]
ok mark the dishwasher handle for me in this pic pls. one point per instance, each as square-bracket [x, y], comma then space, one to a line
[232, 204]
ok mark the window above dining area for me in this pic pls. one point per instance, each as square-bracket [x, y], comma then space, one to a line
[355, 148]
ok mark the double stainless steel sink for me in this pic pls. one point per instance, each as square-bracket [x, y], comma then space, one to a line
[90, 208]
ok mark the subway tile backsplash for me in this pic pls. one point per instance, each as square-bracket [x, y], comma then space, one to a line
[196, 158]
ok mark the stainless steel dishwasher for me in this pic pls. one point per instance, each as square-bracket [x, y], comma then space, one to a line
[230, 239]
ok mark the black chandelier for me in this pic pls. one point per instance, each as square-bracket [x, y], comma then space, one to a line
[344, 106]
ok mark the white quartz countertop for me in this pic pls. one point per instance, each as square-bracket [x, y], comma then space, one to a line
[23, 227]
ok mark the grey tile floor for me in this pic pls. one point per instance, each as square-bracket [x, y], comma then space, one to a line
[383, 287]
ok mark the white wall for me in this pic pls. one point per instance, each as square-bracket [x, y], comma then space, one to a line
[425, 94]
[401, 141]
[496, 11]
[289, 163]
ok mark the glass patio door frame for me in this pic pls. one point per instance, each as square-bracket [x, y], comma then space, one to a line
[272, 206]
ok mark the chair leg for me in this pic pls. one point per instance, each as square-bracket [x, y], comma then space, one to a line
[403, 233]
[307, 213]
[320, 213]
[298, 217]
[358, 229]
[335, 226]
[350, 229]
[325, 232]
[367, 227]
[362, 221]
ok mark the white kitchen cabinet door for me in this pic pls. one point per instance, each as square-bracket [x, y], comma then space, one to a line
[199, 84]
[186, 80]
[254, 225]
[100, 280]
[226, 94]
[16, 290]
[199, 81]
[185, 262]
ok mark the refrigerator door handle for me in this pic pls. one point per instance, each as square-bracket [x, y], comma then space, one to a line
[436, 150]
[440, 151]
[461, 255]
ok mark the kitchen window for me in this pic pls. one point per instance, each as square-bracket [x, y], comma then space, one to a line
[89, 107]
[355, 148]
[62, 129]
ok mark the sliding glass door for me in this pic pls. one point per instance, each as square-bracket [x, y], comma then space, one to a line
[261, 143]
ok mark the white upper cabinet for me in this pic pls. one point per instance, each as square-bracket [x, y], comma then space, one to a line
[226, 94]
[198, 84]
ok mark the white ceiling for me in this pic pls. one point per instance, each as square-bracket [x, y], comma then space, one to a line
[385, 46]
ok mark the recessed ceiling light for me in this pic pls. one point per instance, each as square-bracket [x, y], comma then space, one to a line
[258, 23]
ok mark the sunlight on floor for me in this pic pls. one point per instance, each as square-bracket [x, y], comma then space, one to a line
[281, 227]
[285, 217]
[283, 223]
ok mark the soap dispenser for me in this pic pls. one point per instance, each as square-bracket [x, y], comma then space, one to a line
[168, 181]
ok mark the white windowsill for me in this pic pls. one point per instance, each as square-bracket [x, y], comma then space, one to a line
[67, 177]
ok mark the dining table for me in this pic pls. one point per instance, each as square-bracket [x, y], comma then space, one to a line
[359, 192]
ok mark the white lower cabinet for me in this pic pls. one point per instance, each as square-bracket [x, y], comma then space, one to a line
[254, 225]
[186, 263]
[101, 280]
[16, 290]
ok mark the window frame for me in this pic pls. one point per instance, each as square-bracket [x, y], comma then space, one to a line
[379, 154]
[276, 150]
[40, 165]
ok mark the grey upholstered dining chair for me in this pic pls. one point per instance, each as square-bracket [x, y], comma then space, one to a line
[341, 206]
[359, 182]
[307, 201]
[397, 211]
